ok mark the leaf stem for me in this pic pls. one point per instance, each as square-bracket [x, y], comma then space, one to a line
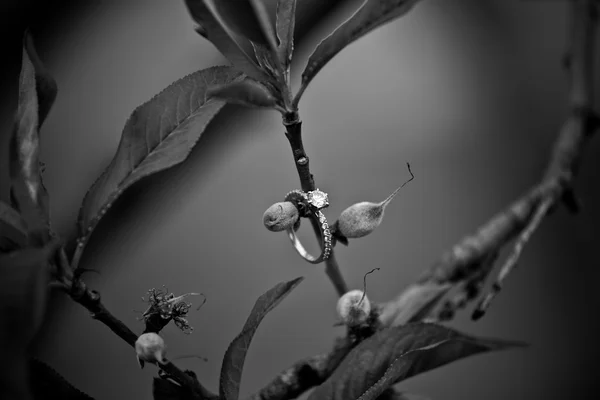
[299, 94]
[293, 132]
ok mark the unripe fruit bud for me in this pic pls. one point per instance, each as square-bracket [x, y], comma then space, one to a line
[362, 218]
[280, 216]
[354, 308]
[150, 348]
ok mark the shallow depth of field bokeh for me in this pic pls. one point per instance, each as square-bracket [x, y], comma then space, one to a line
[470, 93]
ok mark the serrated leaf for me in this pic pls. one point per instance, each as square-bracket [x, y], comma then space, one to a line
[248, 18]
[247, 93]
[204, 13]
[235, 356]
[285, 25]
[37, 91]
[24, 276]
[48, 384]
[371, 15]
[13, 230]
[158, 135]
[394, 354]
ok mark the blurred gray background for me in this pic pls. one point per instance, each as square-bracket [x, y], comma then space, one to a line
[471, 93]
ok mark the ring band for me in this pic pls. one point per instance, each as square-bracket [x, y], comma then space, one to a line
[313, 202]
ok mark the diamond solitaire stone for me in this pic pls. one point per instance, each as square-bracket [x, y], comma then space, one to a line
[318, 198]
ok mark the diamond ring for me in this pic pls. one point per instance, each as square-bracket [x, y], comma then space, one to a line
[310, 205]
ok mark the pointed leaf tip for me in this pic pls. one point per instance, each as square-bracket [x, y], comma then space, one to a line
[37, 91]
[235, 356]
[248, 18]
[46, 86]
[371, 15]
[285, 26]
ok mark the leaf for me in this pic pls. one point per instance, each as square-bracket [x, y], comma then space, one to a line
[397, 353]
[285, 24]
[46, 383]
[203, 12]
[247, 93]
[265, 59]
[158, 135]
[371, 15]
[248, 18]
[13, 230]
[45, 84]
[24, 276]
[233, 361]
[37, 91]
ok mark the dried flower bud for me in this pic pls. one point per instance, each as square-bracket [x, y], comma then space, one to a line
[150, 348]
[280, 216]
[354, 308]
[362, 218]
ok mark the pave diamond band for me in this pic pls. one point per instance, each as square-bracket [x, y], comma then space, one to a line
[310, 205]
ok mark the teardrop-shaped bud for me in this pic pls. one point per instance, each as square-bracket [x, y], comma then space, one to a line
[362, 218]
[150, 347]
[280, 216]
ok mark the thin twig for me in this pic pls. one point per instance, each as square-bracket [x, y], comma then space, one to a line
[293, 132]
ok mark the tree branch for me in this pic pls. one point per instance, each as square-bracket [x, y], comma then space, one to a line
[468, 257]
[511, 262]
[293, 132]
[469, 262]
